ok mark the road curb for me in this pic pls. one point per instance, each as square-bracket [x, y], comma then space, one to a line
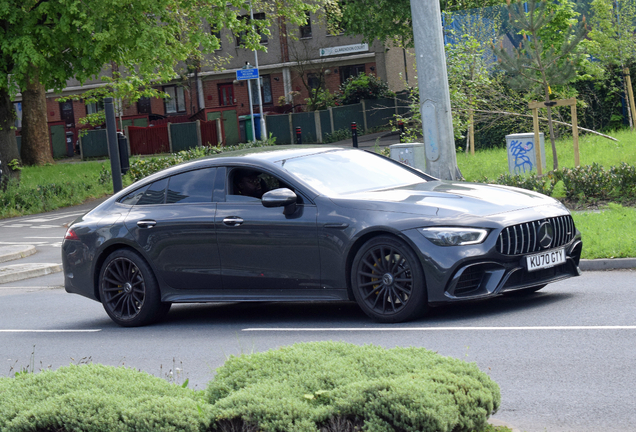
[16, 272]
[607, 264]
[14, 252]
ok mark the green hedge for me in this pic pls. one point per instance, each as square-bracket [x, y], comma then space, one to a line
[146, 166]
[307, 386]
[322, 386]
[588, 183]
[96, 398]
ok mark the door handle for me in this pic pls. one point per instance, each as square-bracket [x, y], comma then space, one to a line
[146, 223]
[232, 221]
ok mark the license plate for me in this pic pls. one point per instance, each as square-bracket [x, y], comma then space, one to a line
[545, 260]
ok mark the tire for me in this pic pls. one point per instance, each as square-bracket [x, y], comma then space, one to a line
[525, 291]
[129, 291]
[388, 282]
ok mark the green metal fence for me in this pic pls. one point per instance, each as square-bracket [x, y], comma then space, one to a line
[94, 144]
[184, 136]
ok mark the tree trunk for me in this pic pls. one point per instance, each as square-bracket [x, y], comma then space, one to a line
[8, 144]
[555, 161]
[36, 147]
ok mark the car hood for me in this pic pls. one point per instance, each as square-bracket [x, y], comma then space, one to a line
[447, 199]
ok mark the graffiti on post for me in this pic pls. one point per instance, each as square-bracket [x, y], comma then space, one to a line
[519, 151]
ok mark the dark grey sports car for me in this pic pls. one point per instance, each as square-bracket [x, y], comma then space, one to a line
[305, 224]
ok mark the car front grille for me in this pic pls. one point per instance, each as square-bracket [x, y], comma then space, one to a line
[522, 238]
[470, 280]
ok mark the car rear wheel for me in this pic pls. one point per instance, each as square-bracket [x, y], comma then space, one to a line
[129, 291]
[388, 281]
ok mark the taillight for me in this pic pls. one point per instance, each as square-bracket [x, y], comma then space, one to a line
[70, 235]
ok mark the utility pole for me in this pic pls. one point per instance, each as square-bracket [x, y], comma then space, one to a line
[437, 121]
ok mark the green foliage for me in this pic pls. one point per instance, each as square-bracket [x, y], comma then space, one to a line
[15, 165]
[389, 21]
[612, 39]
[144, 167]
[587, 184]
[96, 398]
[320, 99]
[537, 63]
[305, 386]
[363, 86]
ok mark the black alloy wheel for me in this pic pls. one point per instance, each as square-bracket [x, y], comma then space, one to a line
[388, 281]
[128, 290]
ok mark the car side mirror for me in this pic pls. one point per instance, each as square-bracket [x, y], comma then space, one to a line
[281, 197]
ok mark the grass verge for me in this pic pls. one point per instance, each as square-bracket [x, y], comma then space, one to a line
[608, 233]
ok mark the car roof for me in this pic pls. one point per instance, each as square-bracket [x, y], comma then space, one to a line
[276, 153]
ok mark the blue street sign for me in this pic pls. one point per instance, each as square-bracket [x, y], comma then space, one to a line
[246, 74]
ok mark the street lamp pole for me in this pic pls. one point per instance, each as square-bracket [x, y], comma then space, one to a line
[260, 86]
[437, 121]
[249, 93]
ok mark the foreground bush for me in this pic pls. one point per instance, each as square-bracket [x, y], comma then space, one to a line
[337, 386]
[323, 386]
[98, 398]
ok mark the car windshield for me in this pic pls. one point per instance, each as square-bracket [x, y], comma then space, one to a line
[349, 171]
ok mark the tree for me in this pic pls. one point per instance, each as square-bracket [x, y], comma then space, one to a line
[612, 39]
[535, 65]
[386, 20]
[51, 41]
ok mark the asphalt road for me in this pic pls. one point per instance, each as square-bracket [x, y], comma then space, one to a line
[564, 358]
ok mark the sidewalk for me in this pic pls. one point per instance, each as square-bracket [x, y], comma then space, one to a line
[382, 139]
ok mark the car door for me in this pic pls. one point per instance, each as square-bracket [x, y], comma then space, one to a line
[173, 222]
[262, 248]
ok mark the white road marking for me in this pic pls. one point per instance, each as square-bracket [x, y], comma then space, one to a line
[51, 331]
[46, 226]
[376, 329]
[22, 243]
[56, 237]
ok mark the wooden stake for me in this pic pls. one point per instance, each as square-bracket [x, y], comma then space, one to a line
[630, 92]
[471, 132]
[537, 143]
[575, 136]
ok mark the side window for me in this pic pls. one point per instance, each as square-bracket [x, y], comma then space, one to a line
[248, 185]
[155, 194]
[134, 197]
[191, 187]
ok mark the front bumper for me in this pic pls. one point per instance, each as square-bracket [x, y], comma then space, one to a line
[470, 273]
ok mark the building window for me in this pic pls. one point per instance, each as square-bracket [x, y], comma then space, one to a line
[217, 34]
[94, 107]
[239, 38]
[67, 114]
[305, 31]
[144, 105]
[18, 114]
[350, 71]
[175, 102]
[226, 94]
[314, 81]
[267, 90]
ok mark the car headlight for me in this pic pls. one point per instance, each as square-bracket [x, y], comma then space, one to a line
[446, 236]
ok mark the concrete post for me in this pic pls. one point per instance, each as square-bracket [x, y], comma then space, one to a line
[437, 122]
[199, 140]
[170, 137]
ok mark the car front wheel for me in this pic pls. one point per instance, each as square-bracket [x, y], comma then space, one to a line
[388, 281]
[129, 291]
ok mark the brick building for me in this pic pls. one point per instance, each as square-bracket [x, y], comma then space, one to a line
[313, 54]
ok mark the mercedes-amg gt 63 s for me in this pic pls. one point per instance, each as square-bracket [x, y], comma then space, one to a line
[313, 224]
